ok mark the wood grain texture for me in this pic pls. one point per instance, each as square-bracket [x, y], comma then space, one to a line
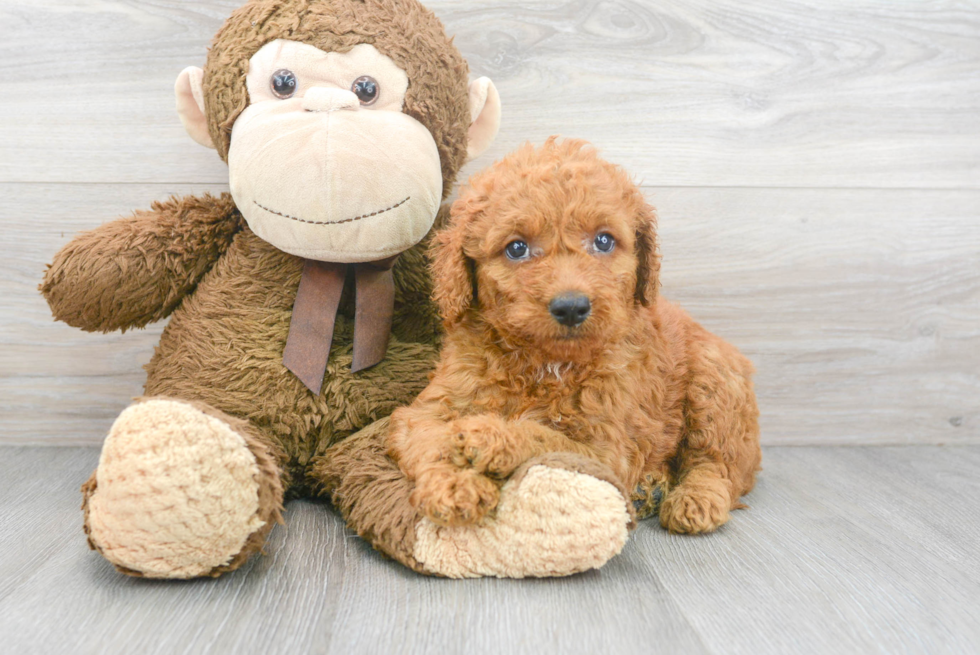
[859, 308]
[869, 550]
[59, 384]
[854, 93]
[815, 164]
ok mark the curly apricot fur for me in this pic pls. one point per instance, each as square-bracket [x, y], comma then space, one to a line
[639, 386]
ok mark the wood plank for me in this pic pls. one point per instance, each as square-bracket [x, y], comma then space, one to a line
[62, 385]
[847, 93]
[822, 566]
[843, 550]
[924, 498]
[39, 502]
[320, 589]
[859, 308]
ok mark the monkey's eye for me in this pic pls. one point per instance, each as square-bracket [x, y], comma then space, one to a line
[604, 242]
[516, 250]
[366, 89]
[283, 83]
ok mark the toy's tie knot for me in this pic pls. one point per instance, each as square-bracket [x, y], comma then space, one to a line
[315, 313]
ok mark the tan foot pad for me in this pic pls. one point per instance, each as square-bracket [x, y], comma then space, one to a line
[177, 492]
[552, 522]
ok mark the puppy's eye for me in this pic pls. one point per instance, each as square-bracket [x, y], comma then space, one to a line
[283, 83]
[366, 89]
[604, 242]
[516, 249]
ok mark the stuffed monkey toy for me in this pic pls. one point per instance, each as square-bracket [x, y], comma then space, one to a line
[299, 307]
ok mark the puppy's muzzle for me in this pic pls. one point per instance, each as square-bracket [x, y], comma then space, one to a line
[570, 309]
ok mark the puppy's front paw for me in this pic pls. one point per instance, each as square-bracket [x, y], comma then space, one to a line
[450, 496]
[696, 505]
[484, 444]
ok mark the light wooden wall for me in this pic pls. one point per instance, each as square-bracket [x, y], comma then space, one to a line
[816, 165]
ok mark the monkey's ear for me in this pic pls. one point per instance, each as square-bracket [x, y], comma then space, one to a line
[648, 257]
[452, 278]
[484, 117]
[190, 104]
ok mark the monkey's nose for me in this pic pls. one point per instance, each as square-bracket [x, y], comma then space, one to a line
[321, 98]
[570, 309]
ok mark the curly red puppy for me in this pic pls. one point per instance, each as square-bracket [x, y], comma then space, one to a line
[557, 341]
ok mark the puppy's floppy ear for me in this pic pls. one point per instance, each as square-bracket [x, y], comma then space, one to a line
[648, 256]
[452, 272]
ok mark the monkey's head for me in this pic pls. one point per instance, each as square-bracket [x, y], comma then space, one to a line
[343, 122]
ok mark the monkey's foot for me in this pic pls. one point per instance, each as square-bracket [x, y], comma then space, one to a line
[181, 491]
[558, 515]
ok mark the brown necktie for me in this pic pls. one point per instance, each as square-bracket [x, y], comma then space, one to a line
[315, 313]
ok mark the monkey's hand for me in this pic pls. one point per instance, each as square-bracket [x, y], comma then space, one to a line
[133, 271]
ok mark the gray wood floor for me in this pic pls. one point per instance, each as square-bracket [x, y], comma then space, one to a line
[844, 550]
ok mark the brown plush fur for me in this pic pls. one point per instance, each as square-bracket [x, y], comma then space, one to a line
[371, 492]
[639, 386]
[133, 272]
[403, 30]
[230, 294]
[223, 345]
[385, 517]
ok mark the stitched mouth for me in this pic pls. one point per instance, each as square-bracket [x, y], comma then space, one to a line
[346, 220]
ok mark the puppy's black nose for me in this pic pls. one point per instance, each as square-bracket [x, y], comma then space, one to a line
[570, 309]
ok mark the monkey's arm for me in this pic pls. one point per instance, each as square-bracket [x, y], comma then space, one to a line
[133, 271]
